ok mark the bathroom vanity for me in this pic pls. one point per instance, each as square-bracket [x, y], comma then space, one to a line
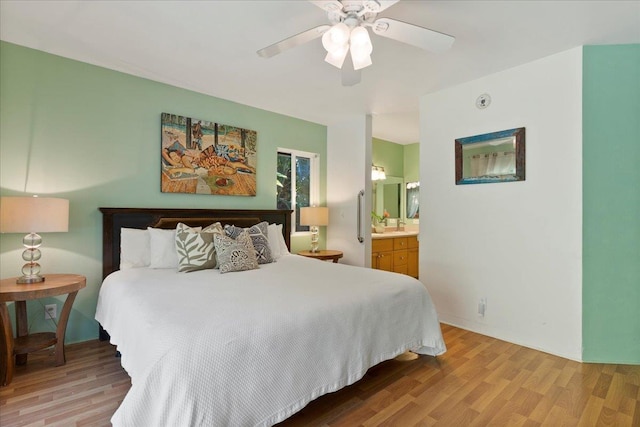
[395, 251]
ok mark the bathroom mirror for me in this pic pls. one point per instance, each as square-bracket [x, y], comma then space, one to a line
[413, 200]
[388, 194]
[491, 157]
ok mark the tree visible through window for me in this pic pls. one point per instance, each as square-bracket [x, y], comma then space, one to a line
[297, 182]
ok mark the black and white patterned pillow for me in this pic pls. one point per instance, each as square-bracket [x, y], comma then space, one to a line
[195, 247]
[259, 237]
[235, 254]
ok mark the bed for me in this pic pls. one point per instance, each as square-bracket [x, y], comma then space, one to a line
[249, 348]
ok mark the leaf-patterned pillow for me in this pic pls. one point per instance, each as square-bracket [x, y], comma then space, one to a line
[259, 237]
[235, 254]
[196, 249]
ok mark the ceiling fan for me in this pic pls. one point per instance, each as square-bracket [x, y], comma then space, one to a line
[348, 35]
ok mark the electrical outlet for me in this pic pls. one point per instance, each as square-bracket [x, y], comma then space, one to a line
[50, 311]
[482, 307]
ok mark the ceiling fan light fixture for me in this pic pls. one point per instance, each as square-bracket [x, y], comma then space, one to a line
[336, 38]
[337, 57]
[360, 61]
[360, 37]
[347, 32]
[361, 48]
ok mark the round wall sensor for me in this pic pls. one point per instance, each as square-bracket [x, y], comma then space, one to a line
[483, 101]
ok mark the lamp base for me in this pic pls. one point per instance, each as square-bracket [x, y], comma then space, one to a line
[36, 278]
[314, 239]
[31, 254]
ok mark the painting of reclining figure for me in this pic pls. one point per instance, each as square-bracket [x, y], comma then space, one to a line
[204, 157]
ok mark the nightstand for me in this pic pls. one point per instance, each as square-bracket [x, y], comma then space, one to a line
[15, 350]
[323, 255]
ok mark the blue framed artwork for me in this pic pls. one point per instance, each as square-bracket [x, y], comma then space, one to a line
[491, 157]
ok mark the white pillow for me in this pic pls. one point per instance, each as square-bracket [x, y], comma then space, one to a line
[284, 250]
[134, 248]
[274, 241]
[163, 248]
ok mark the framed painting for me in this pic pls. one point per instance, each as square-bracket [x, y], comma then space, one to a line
[491, 157]
[204, 157]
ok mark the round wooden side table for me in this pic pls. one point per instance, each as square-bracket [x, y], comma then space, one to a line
[15, 350]
[323, 255]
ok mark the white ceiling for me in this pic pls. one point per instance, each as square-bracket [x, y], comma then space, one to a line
[210, 47]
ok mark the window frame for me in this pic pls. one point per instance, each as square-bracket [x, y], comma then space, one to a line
[314, 183]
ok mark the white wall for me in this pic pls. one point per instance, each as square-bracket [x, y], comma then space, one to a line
[348, 172]
[519, 245]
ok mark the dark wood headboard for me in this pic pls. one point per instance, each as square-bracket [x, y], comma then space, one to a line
[113, 219]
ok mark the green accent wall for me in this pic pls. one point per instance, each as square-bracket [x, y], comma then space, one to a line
[92, 135]
[611, 198]
[397, 159]
[388, 155]
[412, 162]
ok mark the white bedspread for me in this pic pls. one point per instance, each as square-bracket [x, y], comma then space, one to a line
[254, 347]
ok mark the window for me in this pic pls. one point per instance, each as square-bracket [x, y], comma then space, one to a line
[297, 182]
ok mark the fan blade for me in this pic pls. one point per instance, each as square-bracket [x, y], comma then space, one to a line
[327, 5]
[350, 77]
[293, 41]
[412, 34]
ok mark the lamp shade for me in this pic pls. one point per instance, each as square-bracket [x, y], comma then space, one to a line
[33, 214]
[315, 215]
[337, 57]
[337, 37]
[361, 48]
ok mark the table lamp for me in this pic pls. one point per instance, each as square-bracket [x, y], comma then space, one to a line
[31, 215]
[314, 216]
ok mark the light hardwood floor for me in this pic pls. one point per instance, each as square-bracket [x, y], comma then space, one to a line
[480, 381]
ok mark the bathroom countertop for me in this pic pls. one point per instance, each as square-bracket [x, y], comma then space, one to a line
[392, 234]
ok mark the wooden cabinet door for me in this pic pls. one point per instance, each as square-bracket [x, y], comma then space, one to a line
[399, 258]
[385, 261]
[400, 261]
[382, 254]
[402, 269]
